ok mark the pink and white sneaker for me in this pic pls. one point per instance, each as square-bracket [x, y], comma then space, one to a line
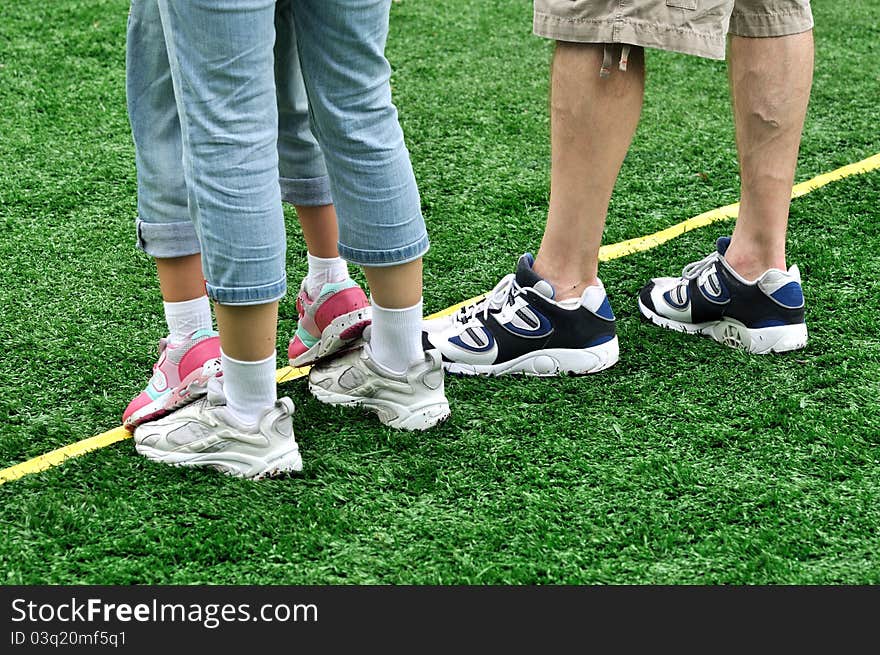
[330, 324]
[179, 377]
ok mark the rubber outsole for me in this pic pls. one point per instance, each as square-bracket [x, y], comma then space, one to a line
[547, 363]
[192, 388]
[243, 466]
[391, 414]
[340, 336]
[732, 333]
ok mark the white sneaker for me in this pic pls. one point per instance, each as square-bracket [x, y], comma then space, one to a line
[414, 400]
[205, 434]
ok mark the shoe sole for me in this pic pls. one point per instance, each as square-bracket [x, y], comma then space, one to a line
[732, 333]
[547, 363]
[392, 414]
[191, 388]
[239, 465]
[340, 336]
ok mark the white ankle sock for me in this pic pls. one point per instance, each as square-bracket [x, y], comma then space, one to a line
[396, 336]
[323, 270]
[184, 318]
[249, 387]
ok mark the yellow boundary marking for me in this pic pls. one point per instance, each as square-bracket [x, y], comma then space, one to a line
[606, 253]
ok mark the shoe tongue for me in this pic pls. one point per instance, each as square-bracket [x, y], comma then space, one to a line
[722, 244]
[526, 277]
[216, 392]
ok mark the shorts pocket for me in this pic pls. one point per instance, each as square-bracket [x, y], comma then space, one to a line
[682, 4]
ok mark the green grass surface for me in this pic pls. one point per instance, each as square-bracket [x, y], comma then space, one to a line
[685, 463]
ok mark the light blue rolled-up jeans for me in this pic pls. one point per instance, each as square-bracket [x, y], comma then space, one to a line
[207, 135]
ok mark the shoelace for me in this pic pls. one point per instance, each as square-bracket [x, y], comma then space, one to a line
[494, 300]
[692, 270]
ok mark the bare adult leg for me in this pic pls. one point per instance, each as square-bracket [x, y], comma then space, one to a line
[593, 120]
[770, 81]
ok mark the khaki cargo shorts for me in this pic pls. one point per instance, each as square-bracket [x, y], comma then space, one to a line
[693, 27]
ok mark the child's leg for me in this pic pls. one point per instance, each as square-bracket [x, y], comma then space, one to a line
[189, 356]
[180, 278]
[332, 309]
[342, 45]
[301, 168]
[247, 335]
[187, 309]
[319, 230]
[221, 61]
[396, 292]
[321, 234]
[232, 183]
[165, 230]
[347, 77]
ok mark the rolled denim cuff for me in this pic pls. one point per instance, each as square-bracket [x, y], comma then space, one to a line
[307, 192]
[248, 295]
[378, 258]
[167, 240]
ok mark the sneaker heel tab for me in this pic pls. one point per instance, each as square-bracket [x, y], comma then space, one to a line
[595, 299]
[434, 357]
[286, 404]
[776, 277]
[795, 272]
[784, 288]
[526, 276]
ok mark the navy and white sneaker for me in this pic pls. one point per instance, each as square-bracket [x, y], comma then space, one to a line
[711, 299]
[518, 328]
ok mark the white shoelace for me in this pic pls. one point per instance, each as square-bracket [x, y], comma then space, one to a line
[494, 300]
[692, 270]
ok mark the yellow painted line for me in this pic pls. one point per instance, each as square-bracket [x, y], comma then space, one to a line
[59, 455]
[641, 244]
[606, 253]
[865, 166]
[288, 373]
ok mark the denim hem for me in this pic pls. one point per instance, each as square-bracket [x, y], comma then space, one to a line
[308, 192]
[167, 240]
[248, 295]
[384, 257]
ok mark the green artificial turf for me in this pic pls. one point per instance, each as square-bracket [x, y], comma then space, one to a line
[686, 463]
